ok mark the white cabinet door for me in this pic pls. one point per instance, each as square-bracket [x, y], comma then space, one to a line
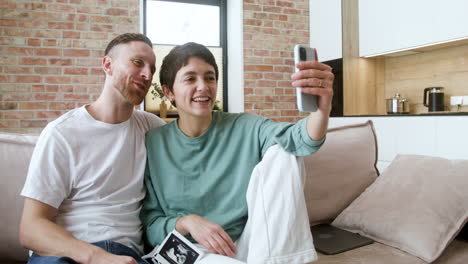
[393, 25]
[325, 28]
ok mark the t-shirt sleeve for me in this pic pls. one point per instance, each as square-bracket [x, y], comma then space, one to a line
[49, 180]
[151, 120]
[293, 137]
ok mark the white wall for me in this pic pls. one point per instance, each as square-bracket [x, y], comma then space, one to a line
[390, 26]
[442, 136]
[235, 57]
[325, 28]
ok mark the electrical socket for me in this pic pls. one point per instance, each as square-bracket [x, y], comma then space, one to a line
[465, 100]
[458, 100]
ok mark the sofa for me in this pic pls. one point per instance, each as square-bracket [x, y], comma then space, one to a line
[341, 178]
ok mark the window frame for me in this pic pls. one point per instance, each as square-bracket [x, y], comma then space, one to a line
[223, 41]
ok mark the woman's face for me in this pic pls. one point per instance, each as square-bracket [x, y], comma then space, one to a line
[194, 89]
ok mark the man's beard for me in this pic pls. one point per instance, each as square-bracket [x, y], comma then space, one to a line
[133, 96]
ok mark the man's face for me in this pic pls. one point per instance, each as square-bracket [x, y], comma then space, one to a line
[132, 66]
[195, 87]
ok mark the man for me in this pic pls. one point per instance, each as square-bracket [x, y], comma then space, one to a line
[85, 182]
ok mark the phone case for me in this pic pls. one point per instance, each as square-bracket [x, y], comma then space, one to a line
[305, 102]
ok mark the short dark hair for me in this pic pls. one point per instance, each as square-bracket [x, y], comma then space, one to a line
[125, 38]
[178, 57]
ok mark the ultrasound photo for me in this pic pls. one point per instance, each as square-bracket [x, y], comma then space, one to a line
[177, 250]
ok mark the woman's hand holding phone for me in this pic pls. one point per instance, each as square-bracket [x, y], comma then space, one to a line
[313, 81]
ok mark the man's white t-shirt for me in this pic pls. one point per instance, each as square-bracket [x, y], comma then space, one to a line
[92, 172]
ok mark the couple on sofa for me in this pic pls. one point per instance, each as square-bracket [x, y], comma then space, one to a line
[217, 178]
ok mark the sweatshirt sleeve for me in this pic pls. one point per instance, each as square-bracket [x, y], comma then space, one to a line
[155, 222]
[292, 137]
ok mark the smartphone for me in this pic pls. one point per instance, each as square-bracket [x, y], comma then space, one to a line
[305, 102]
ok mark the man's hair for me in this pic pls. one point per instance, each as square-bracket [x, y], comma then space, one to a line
[179, 57]
[125, 38]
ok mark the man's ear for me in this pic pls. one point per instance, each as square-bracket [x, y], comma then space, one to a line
[107, 65]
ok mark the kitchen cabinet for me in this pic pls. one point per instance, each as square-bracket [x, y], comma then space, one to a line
[387, 26]
[325, 28]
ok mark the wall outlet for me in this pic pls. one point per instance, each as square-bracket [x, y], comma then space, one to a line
[457, 100]
[465, 100]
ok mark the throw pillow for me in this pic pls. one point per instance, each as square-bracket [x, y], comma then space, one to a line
[340, 170]
[418, 204]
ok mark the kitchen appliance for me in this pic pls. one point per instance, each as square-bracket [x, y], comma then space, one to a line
[436, 99]
[397, 105]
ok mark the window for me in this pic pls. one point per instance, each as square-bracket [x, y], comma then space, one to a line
[173, 22]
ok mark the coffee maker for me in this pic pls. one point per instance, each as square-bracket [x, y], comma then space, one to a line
[436, 99]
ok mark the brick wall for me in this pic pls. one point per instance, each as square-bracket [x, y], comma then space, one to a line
[50, 56]
[271, 29]
[50, 53]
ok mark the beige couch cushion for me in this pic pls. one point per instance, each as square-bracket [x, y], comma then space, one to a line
[418, 204]
[15, 154]
[330, 189]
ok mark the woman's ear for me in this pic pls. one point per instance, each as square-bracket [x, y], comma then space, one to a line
[107, 65]
[169, 94]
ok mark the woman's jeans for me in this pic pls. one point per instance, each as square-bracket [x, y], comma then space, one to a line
[109, 246]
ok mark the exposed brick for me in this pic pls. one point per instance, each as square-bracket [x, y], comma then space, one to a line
[33, 61]
[15, 69]
[18, 115]
[45, 96]
[47, 70]
[17, 32]
[49, 42]
[47, 52]
[61, 62]
[263, 106]
[34, 42]
[46, 33]
[105, 28]
[48, 114]
[61, 106]
[7, 22]
[71, 34]
[33, 123]
[116, 12]
[5, 123]
[260, 68]
[76, 96]
[51, 88]
[8, 105]
[284, 3]
[82, 26]
[101, 19]
[77, 17]
[76, 71]
[19, 51]
[38, 88]
[32, 105]
[57, 79]
[27, 78]
[61, 8]
[76, 52]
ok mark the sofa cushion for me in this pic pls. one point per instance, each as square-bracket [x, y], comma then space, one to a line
[340, 171]
[15, 154]
[418, 204]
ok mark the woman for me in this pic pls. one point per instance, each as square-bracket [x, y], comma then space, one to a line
[200, 169]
